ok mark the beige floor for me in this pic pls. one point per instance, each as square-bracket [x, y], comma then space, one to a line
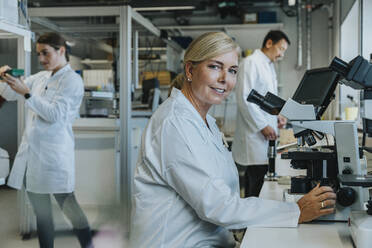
[9, 221]
[109, 237]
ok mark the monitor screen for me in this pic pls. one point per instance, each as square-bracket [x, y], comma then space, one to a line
[147, 85]
[317, 87]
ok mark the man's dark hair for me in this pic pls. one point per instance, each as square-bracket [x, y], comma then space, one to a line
[275, 36]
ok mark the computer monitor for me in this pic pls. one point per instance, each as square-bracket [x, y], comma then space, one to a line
[147, 86]
[317, 87]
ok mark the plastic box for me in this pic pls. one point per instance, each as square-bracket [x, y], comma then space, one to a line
[249, 18]
[9, 11]
[267, 17]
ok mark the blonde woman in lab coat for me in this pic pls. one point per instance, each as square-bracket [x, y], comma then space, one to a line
[45, 162]
[186, 186]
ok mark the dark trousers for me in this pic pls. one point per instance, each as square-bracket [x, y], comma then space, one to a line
[251, 178]
[42, 206]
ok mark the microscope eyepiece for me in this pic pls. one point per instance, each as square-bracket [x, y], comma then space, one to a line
[340, 66]
[357, 73]
[270, 103]
[255, 97]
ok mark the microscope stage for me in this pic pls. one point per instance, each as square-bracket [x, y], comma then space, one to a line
[356, 180]
[306, 153]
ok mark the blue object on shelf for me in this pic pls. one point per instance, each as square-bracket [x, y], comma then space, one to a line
[266, 17]
[183, 41]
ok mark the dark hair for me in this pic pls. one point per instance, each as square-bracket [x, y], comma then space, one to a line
[56, 41]
[275, 36]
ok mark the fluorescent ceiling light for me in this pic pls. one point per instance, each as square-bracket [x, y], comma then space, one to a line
[165, 8]
[291, 2]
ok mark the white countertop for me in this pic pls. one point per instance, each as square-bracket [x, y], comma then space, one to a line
[321, 235]
[96, 124]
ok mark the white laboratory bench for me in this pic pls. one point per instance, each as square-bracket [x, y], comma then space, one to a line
[4, 165]
[96, 166]
[97, 163]
[319, 235]
[96, 124]
[95, 175]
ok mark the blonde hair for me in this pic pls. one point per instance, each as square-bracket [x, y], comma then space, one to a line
[206, 46]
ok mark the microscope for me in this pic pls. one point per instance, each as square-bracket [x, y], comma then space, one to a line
[342, 165]
[358, 75]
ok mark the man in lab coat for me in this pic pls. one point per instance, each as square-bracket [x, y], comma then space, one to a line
[254, 127]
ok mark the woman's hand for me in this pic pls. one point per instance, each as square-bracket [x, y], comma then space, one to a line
[318, 202]
[3, 69]
[16, 84]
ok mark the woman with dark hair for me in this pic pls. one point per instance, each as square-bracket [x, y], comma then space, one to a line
[45, 162]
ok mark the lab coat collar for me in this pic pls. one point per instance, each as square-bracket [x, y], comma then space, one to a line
[263, 56]
[61, 71]
[213, 131]
[177, 94]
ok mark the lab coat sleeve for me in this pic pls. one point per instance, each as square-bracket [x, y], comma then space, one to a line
[187, 171]
[9, 94]
[247, 80]
[68, 94]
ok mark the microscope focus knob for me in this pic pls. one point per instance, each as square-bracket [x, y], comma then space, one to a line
[347, 171]
[369, 207]
[346, 196]
[309, 139]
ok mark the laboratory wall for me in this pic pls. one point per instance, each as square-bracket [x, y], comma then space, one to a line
[366, 29]
[349, 49]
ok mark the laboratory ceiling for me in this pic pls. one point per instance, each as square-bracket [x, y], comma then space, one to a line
[168, 8]
[160, 12]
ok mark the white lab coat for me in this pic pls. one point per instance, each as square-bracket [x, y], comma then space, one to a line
[249, 145]
[186, 187]
[46, 153]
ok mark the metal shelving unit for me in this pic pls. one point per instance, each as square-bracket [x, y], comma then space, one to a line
[23, 36]
[224, 27]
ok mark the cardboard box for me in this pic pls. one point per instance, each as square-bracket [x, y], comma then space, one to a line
[164, 77]
[9, 11]
[286, 136]
[249, 18]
